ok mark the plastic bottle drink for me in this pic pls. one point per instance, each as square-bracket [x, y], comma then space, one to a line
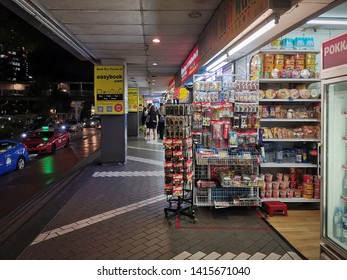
[344, 228]
[337, 228]
[344, 186]
[279, 153]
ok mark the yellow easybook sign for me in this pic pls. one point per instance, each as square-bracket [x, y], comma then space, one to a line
[133, 103]
[109, 90]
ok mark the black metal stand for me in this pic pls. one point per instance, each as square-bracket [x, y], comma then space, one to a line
[180, 205]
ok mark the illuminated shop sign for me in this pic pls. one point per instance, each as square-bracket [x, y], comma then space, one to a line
[335, 52]
[190, 65]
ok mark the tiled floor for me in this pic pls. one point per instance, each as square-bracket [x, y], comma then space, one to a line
[117, 213]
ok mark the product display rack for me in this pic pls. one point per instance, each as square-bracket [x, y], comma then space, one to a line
[225, 136]
[290, 117]
[178, 164]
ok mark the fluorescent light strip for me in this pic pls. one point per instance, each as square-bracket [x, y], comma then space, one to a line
[218, 61]
[252, 37]
[328, 22]
[220, 65]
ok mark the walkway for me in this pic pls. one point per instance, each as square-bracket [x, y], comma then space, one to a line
[117, 213]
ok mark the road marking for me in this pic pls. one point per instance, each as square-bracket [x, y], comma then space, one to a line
[145, 160]
[95, 219]
[128, 174]
[146, 149]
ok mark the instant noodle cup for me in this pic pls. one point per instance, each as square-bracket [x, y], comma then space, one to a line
[292, 184]
[268, 67]
[284, 185]
[283, 193]
[307, 196]
[275, 194]
[308, 191]
[279, 176]
[310, 55]
[268, 186]
[316, 185]
[297, 193]
[268, 194]
[299, 56]
[275, 186]
[290, 193]
[262, 194]
[268, 178]
[286, 177]
[311, 67]
[292, 177]
[293, 170]
[306, 178]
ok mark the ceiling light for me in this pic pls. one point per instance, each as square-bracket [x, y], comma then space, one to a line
[328, 21]
[156, 40]
[194, 14]
[218, 66]
[252, 37]
[216, 62]
[154, 63]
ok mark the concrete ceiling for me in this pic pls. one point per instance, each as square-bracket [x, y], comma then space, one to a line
[113, 31]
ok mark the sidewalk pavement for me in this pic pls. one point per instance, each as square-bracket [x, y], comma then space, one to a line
[118, 213]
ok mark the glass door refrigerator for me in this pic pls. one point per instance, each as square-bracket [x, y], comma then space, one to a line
[334, 149]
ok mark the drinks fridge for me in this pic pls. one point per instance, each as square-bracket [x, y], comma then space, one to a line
[334, 149]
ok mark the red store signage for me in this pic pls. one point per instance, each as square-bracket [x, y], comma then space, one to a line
[190, 65]
[172, 84]
[334, 52]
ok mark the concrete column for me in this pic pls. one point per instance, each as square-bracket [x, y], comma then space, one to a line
[133, 124]
[114, 131]
[113, 138]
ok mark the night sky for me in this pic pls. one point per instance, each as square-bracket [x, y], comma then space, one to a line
[47, 60]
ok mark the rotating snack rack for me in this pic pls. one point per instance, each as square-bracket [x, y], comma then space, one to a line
[178, 166]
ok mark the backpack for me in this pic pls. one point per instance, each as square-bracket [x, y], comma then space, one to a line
[148, 118]
[153, 117]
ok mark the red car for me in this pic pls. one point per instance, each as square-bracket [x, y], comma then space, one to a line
[47, 140]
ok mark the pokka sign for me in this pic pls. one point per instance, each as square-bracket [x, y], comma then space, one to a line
[109, 90]
[335, 52]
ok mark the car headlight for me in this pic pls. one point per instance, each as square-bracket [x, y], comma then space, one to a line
[43, 144]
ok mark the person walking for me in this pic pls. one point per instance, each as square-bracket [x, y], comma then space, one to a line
[143, 121]
[152, 123]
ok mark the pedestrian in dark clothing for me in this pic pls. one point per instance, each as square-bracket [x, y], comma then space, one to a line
[152, 122]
